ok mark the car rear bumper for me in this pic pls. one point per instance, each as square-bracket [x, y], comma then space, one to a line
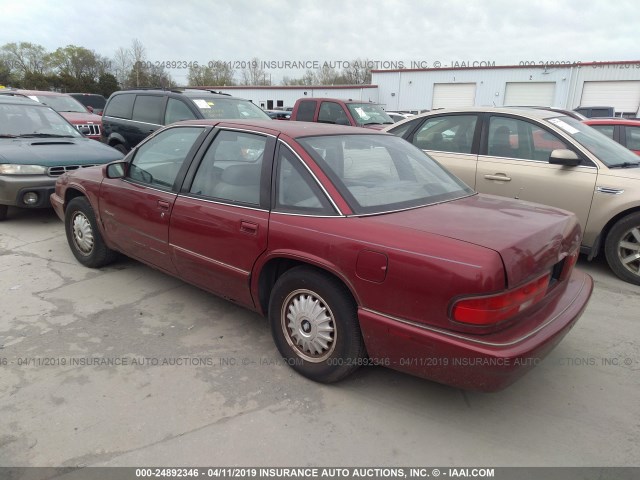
[474, 362]
[13, 189]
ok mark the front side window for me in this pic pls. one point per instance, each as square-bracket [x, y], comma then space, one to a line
[331, 112]
[514, 138]
[450, 133]
[158, 161]
[231, 169]
[381, 173]
[177, 111]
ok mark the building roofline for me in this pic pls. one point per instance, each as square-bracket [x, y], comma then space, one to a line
[283, 87]
[502, 67]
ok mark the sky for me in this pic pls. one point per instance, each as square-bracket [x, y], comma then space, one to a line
[390, 32]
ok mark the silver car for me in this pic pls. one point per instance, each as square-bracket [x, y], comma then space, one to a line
[545, 157]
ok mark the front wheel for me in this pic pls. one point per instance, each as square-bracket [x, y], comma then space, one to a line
[83, 235]
[314, 324]
[622, 248]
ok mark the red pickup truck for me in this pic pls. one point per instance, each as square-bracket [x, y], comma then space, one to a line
[342, 112]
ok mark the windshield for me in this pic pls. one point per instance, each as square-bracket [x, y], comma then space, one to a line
[382, 173]
[60, 103]
[27, 120]
[369, 114]
[607, 150]
[229, 109]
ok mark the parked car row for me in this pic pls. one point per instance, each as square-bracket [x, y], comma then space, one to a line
[75, 112]
[37, 145]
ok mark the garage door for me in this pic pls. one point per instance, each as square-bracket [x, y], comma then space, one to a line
[624, 96]
[454, 95]
[531, 94]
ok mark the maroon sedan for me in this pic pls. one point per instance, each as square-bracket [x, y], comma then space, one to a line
[358, 247]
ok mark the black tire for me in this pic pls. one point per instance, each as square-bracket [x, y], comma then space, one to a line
[330, 310]
[121, 148]
[3, 212]
[83, 235]
[622, 248]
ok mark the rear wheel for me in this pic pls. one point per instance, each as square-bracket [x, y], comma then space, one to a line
[315, 326]
[3, 212]
[622, 248]
[83, 235]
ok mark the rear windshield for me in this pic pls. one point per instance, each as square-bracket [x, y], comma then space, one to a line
[382, 173]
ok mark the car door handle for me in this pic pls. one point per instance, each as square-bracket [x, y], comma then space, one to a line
[498, 176]
[162, 205]
[248, 227]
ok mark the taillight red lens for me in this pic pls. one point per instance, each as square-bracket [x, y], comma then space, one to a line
[502, 306]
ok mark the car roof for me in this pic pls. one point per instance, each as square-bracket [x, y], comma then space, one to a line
[41, 93]
[613, 121]
[19, 100]
[291, 129]
[339, 100]
[535, 113]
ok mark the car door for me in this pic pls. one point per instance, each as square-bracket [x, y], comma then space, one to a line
[136, 209]
[452, 140]
[514, 162]
[220, 221]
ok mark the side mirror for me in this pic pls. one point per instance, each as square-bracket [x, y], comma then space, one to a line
[89, 108]
[567, 158]
[116, 170]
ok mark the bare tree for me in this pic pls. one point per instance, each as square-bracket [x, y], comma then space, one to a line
[254, 74]
[122, 64]
[358, 72]
[215, 74]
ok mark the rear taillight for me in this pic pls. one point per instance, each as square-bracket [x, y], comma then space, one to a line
[567, 267]
[492, 309]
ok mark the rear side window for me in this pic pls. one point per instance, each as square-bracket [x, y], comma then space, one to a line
[120, 106]
[306, 111]
[148, 109]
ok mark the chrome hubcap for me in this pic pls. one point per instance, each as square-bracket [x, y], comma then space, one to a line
[308, 325]
[629, 250]
[82, 233]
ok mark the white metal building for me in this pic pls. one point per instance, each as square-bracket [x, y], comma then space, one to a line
[615, 84]
[274, 97]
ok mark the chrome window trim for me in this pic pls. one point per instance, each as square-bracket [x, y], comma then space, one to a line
[209, 259]
[220, 202]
